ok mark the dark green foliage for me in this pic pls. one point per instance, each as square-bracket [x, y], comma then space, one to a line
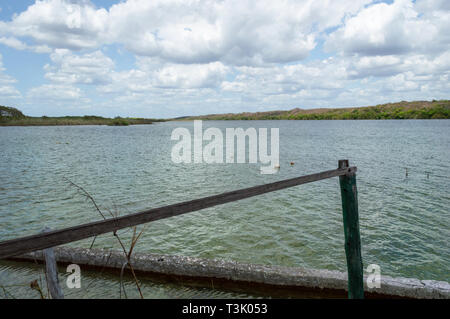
[118, 121]
[9, 113]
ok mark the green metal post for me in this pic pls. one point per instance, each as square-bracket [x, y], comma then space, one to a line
[349, 197]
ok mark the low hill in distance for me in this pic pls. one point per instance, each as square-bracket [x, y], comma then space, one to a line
[401, 110]
[10, 112]
[10, 116]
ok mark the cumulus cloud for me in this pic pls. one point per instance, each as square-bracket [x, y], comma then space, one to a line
[362, 67]
[290, 80]
[68, 68]
[205, 56]
[55, 92]
[397, 28]
[231, 31]
[190, 75]
[19, 45]
[59, 24]
[9, 92]
[97, 69]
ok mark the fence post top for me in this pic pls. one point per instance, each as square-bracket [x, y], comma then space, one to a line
[343, 163]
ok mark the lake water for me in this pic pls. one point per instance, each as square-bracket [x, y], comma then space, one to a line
[404, 220]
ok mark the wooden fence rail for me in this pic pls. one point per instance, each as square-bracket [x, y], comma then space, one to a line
[51, 272]
[54, 238]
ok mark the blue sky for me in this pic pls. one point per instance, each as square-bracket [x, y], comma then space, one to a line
[167, 58]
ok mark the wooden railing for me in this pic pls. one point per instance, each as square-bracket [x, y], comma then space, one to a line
[347, 178]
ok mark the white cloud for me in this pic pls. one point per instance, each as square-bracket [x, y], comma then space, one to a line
[55, 92]
[190, 76]
[151, 83]
[231, 31]
[59, 24]
[8, 92]
[68, 68]
[19, 45]
[13, 43]
[233, 86]
[127, 82]
[390, 29]
[366, 66]
[205, 56]
[289, 81]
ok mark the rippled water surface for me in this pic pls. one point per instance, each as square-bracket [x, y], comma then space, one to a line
[404, 220]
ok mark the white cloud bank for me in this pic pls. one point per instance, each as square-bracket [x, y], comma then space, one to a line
[217, 56]
[398, 28]
[235, 32]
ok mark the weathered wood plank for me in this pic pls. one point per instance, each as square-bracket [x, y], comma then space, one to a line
[27, 244]
[51, 272]
[351, 231]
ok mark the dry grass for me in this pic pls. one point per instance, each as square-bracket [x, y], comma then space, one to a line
[127, 252]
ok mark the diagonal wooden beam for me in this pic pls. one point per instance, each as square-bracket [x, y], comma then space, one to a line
[54, 238]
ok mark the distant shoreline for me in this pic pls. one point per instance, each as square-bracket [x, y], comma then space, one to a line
[391, 111]
[52, 121]
[419, 110]
[13, 117]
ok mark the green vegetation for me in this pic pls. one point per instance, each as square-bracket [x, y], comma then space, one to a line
[10, 112]
[118, 121]
[12, 117]
[400, 110]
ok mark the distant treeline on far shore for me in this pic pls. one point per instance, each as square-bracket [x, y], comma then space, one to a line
[401, 110]
[10, 116]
